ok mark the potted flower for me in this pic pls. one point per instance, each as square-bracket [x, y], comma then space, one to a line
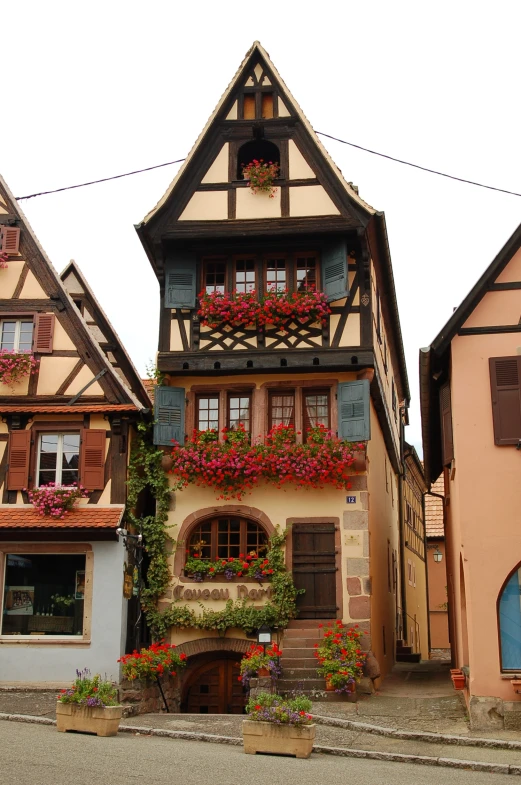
[55, 500]
[90, 705]
[257, 662]
[159, 659]
[15, 366]
[261, 175]
[340, 657]
[278, 725]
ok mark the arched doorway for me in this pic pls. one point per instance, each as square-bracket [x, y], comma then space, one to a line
[213, 686]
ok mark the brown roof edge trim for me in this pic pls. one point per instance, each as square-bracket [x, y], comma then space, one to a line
[426, 410]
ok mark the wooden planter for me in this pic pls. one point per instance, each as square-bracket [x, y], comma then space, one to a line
[278, 739]
[458, 681]
[103, 721]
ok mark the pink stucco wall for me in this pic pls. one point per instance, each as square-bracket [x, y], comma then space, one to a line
[438, 615]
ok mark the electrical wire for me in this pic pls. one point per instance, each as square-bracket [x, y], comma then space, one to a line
[320, 133]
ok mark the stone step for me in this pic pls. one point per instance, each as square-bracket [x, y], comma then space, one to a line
[303, 684]
[299, 662]
[289, 651]
[412, 657]
[403, 649]
[298, 674]
[307, 624]
[298, 643]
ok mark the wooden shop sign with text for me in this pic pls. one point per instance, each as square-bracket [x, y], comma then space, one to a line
[243, 593]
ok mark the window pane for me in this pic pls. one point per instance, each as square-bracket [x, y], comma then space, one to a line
[306, 273]
[239, 412]
[282, 409]
[8, 335]
[208, 413]
[201, 542]
[256, 539]
[316, 410]
[43, 594]
[215, 277]
[276, 275]
[48, 458]
[510, 623]
[229, 538]
[245, 275]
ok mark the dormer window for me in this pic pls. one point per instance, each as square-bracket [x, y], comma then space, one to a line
[256, 150]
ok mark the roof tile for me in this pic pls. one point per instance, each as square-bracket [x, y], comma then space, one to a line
[434, 510]
[63, 409]
[26, 517]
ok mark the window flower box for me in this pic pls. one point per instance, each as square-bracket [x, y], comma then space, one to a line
[276, 309]
[261, 175]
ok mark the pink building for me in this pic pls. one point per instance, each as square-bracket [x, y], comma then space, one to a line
[437, 570]
[471, 413]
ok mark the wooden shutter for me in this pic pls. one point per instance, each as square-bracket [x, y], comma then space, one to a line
[43, 333]
[447, 442]
[169, 414]
[10, 239]
[334, 270]
[92, 459]
[353, 411]
[180, 281]
[505, 378]
[18, 460]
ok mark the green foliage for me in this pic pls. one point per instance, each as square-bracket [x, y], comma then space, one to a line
[91, 691]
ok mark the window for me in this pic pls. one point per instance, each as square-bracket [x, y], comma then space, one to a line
[58, 458]
[505, 376]
[245, 275]
[276, 275]
[257, 149]
[306, 273]
[214, 274]
[316, 409]
[207, 416]
[17, 334]
[227, 538]
[281, 408]
[266, 106]
[509, 611]
[43, 594]
[239, 411]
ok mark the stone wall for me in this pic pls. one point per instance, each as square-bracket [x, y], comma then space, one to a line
[144, 696]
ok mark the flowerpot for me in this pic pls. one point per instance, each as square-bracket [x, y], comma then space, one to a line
[329, 686]
[458, 682]
[516, 685]
[263, 673]
[278, 739]
[100, 720]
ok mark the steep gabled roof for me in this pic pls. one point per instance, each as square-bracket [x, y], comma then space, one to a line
[103, 331]
[116, 391]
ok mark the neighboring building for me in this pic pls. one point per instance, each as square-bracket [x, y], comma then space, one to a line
[413, 637]
[210, 232]
[71, 421]
[437, 571]
[471, 413]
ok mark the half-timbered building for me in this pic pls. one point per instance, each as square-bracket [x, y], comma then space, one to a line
[67, 419]
[211, 235]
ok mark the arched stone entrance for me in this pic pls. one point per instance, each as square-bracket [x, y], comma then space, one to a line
[211, 684]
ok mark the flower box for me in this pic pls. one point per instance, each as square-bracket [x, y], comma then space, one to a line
[516, 685]
[278, 739]
[100, 720]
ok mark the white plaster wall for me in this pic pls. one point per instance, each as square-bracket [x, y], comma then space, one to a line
[26, 663]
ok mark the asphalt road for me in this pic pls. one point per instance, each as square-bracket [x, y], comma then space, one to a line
[39, 755]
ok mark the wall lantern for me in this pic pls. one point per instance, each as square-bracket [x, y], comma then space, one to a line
[264, 636]
[438, 555]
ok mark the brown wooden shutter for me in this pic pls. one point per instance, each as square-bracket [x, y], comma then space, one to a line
[18, 460]
[447, 444]
[43, 333]
[505, 377]
[92, 459]
[10, 239]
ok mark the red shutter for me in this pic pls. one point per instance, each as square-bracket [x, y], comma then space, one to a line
[447, 444]
[10, 239]
[18, 460]
[92, 460]
[43, 333]
[505, 378]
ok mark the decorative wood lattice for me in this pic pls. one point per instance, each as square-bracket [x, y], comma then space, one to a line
[227, 337]
[297, 336]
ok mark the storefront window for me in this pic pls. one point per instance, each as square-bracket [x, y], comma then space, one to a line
[510, 623]
[43, 594]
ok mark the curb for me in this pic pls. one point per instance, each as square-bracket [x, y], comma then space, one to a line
[433, 738]
[343, 752]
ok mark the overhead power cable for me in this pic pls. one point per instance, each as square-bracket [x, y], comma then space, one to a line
[320, 133]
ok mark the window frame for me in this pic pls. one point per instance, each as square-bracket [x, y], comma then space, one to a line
[210, 394]
[60, 549]
[237, 394]
[213, 260]
[214, 544]
[272, 392]
[318, 277]
[18, 319]
[51, 427]
[266, 258]
[59, 454]
[315, 391]
[247, 257]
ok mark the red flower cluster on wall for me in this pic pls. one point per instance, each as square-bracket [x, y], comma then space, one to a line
[261, 175]
[234, 468]
[159, 659]
[275, 308]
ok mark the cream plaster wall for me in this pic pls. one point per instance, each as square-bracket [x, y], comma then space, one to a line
[10, 277]
[218, 171]
[484, 535]
[260, 205]
[32, 290]
[61, 339]
[496, 308]
[176, 342]
[383, 528]
[299, 169]
[310, 200]
[206, 206]
[84, 376]
[54, 371]
[283, 109]
[20, 388]
[512, 271]
[232, 114]
[351, 333]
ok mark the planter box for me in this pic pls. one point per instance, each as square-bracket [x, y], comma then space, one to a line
[278, 739]
[103, 721]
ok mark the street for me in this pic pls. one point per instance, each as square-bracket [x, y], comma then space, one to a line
[39, 755]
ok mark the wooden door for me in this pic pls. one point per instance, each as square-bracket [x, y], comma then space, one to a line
[215, 688]
[314, 569]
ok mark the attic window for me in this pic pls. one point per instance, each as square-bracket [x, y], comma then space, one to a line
[257, 149]
[250, 107]
[266, 106]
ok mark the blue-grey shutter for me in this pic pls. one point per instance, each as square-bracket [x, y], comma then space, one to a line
[180, 281]
[353, 411]
[169, 415]
[334, 270]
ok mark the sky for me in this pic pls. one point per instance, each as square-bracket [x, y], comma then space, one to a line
[97, 89]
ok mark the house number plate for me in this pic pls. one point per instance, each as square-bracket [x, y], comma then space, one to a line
[351, 499]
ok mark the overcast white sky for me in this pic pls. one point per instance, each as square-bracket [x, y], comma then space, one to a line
[100, 88]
